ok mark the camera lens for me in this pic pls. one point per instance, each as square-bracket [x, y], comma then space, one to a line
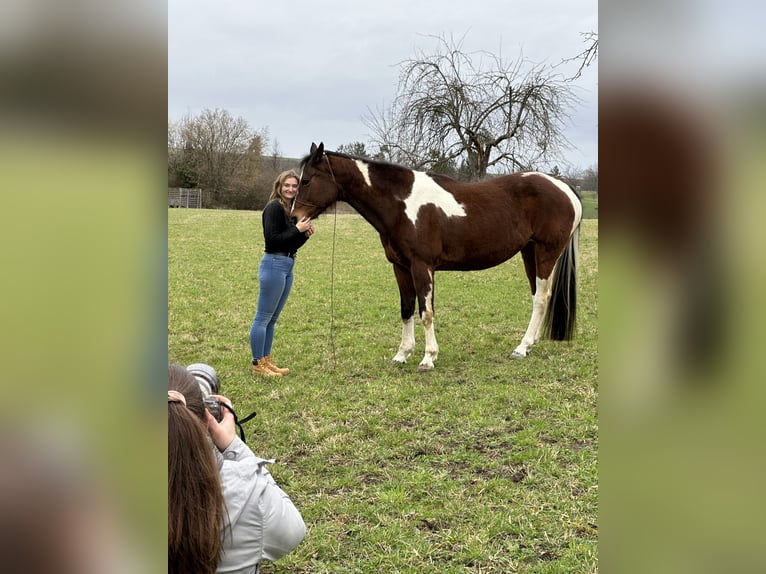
[206, 376]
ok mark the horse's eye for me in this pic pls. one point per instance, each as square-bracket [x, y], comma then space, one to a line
[305, 182]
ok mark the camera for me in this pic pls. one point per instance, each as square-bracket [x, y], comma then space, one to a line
[209, 385]
[213, 405]
[206, 377]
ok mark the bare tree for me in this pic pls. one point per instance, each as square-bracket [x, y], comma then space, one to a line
[276, 153]
[590, 178]
[221, 149]
[474, 111]
[356, 148]
[182, 168]
[588, 55]
[175, 157]
[247, 189]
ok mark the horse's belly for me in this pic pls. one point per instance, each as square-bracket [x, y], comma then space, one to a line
[475, 263]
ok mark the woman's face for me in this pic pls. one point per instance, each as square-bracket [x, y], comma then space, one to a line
[290, 187]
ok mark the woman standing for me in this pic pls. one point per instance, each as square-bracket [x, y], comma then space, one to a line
[283, 238]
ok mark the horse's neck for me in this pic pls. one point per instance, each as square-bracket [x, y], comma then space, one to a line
[374, 215]
[372, 203]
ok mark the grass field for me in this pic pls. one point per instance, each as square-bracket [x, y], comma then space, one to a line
[486, 464]
[589, 205]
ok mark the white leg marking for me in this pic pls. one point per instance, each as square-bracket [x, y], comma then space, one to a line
[539, 302]
[432, 348]
[408, 341]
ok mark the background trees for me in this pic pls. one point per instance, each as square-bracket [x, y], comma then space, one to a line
[357, 149]
[466, 115]
[469, 113]
[221, 154]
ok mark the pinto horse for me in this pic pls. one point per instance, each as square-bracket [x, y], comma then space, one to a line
[429, 222]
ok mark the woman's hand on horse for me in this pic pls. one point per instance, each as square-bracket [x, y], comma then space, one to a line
[305, 225]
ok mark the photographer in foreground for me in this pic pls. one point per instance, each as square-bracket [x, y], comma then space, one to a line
[225, 511]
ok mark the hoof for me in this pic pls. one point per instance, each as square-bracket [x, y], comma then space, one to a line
[425, 368]
[517, 355]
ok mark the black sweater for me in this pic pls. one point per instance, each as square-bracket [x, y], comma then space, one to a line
[280, 234]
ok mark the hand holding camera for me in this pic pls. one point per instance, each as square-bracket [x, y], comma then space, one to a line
[213, 406]
[220, 417]
[222, 430]
[209, 385]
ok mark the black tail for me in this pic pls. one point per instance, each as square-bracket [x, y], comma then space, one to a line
[559, 323]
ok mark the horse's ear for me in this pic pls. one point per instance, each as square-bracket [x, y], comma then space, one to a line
[316, 152]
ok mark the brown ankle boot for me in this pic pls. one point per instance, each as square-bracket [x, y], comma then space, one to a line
[270, 365]
[261, 368]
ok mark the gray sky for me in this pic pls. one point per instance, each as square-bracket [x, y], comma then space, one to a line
[309, 71]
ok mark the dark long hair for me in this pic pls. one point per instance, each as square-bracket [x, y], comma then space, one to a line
[196, 511]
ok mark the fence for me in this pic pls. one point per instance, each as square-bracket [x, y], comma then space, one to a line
[184, 197]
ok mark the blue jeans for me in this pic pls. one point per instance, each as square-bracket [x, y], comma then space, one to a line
[275, 276]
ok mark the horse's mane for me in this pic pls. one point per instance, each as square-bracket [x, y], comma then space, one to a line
[366, 160]
[388, 164]
[375, 162]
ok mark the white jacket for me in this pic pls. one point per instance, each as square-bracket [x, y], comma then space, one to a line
[265, 525]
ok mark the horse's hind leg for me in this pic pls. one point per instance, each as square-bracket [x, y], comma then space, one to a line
[535, 265]
[539, 304]
[530, 265]
[407, 302]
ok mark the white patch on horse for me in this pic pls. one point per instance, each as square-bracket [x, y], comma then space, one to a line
[362, 167]
[424, 191]
[408, 340]
[576, 204]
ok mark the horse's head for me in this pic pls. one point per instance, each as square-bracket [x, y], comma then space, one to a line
[317, 189]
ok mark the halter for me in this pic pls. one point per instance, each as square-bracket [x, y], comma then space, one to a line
[292, 203]
[332, 173]
[335, 181]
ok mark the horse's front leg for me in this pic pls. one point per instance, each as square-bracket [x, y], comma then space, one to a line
[407, 302]
[424, 285]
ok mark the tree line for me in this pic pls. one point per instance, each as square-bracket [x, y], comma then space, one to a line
[224, 156]
[466, 115]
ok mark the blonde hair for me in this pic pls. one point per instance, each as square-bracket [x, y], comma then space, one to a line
[276, 193]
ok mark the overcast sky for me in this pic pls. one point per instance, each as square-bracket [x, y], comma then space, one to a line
[310, 71]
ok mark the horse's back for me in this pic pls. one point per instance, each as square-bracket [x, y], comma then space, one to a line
[502, 215]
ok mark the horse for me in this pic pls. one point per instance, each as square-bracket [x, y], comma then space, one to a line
[429, 222]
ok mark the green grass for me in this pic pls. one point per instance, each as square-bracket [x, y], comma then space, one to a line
[589, 204]
[486, 464]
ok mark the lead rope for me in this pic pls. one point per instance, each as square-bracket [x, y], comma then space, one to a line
[332, 264]
[332, 267]
[332, 286]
